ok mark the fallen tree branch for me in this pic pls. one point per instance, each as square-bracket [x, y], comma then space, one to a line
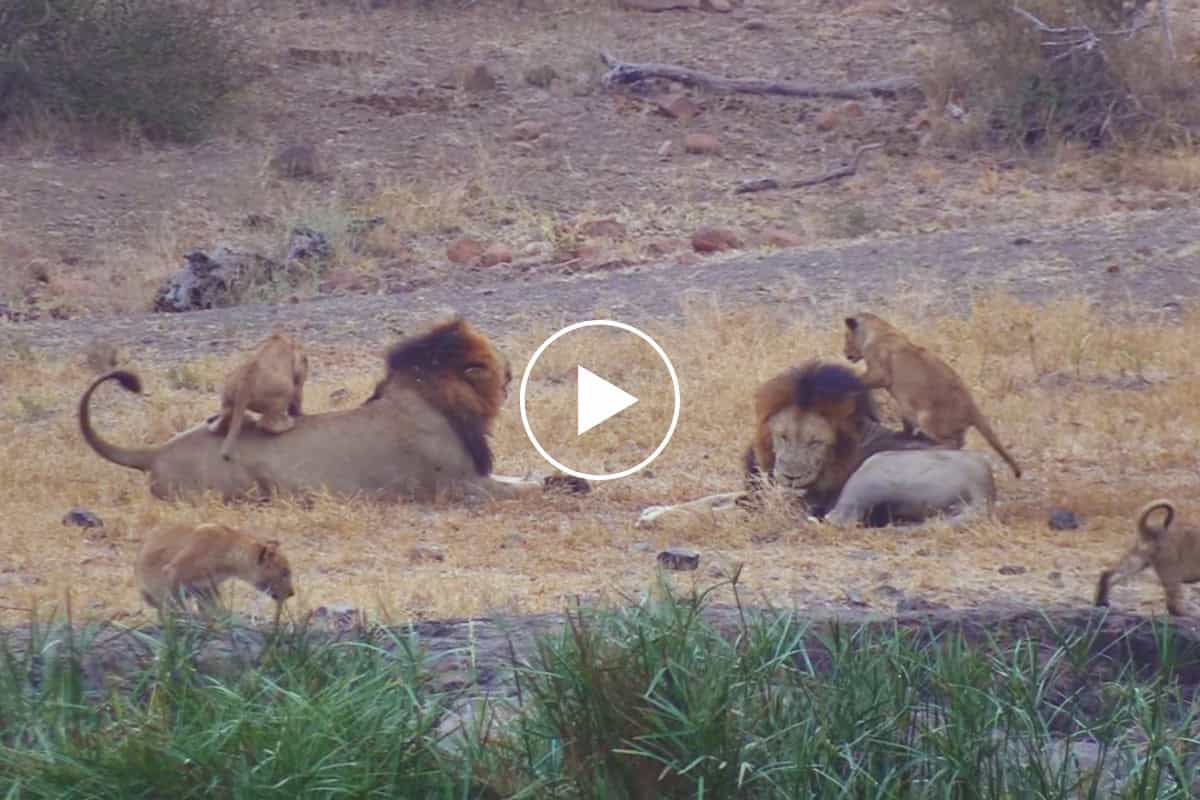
[622, 73]
[844, 171]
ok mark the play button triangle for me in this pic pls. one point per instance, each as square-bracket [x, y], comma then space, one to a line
[597, 400]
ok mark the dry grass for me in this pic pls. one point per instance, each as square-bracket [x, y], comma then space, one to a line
[1102, 416]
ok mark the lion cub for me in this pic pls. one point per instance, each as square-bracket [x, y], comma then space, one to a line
[271, 383]
[1174, 554]
[932, 398]
[183, 560]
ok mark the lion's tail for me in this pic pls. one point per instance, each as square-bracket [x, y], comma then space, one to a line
[236, 417]
[1145, 529]
[135, 458]
[986, 431]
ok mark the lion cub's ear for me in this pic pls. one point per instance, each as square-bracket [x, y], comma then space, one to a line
[852, 323]
[268, 550]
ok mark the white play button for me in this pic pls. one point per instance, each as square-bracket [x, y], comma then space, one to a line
[597, 400]
[629, 414]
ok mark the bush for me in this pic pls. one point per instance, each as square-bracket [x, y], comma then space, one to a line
[1100, 76]
[155, 68]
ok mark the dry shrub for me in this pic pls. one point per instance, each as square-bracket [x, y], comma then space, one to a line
[159, 69]
[1025, 86]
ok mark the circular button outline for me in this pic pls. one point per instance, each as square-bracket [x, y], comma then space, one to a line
[599, 323]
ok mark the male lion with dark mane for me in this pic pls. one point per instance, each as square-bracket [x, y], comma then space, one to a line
[819, 439]
[422, 435]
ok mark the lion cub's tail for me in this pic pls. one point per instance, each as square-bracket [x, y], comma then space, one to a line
[1150, 532]
[986, 431]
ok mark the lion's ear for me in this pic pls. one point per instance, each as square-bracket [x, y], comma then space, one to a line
[852, 323]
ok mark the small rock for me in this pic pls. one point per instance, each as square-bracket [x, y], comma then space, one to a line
[425, 553]
[1063, 519]
[678, 106]
[82, 518]
[852, 109]
[713, 240]
[297, 160]
[701, 144]
[464, 251]
[679, 558]
[306, 243]
[528, 130]
[855, 599]
[218, 280]
[339, 396]
[664, 149]
[496, 254]
[603, 229]
[769, 537]
[756, 24]
[541, 77]
[780, 237]
[478, 78]
[1012, 569]
[720, 6]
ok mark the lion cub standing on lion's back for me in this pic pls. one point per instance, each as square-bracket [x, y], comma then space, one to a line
[1174, 554]
[931, 396]
[185, 560]
[271, 383]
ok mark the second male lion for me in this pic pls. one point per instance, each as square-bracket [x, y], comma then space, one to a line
[932, 397]
[184, 560]
[271, 383]
[1174, 555]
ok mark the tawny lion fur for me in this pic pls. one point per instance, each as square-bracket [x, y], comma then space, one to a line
[932, 397]
[1174, 553]
[184, 561]
[270, 383]
[421, 436]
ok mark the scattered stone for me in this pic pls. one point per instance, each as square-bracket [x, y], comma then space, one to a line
[664, 149]
[541, 77]
[720, 6]
[528, 130]
[297, 160]
[714, 240]
[82, 518]
[703, 144]
[464, 251]
[678, 106]
[828, 119]
[477, 78]
[339, 396]
[853, 598]
[914, 603]
[1012, 569]
[641, 547]
[219, 279]
[660, 5]
[425, 553]
[1063, 519]
[756, 24]
[1022, 240]
[603, 229]
[679, 559]
[781, 237]
[496, 254]
[769, 537]
[255, 221]
[308, 244]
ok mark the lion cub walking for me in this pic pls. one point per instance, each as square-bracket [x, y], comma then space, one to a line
[183, 560]
[1174, 554]
[270, 383]
[931, 396]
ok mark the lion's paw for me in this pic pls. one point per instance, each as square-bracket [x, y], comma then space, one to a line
[567, 483]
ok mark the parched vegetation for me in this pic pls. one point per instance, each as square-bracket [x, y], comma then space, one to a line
[648, 701]
[158, 69]
[1098, 71]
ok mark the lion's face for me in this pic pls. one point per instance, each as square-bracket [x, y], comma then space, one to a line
[490, 379]
[803, 443]
[274, 573]
[854, 336]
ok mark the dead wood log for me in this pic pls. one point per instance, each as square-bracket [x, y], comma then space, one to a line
[622, 73]
[844, 171]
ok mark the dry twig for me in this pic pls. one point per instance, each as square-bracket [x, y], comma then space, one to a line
[844, 171]
[620, 72]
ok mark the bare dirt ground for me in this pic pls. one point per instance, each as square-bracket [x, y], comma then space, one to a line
[1039, 250]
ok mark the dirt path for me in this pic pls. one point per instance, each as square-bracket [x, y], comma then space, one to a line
[1149, 259]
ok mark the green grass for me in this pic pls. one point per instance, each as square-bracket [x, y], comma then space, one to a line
[634, 703]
